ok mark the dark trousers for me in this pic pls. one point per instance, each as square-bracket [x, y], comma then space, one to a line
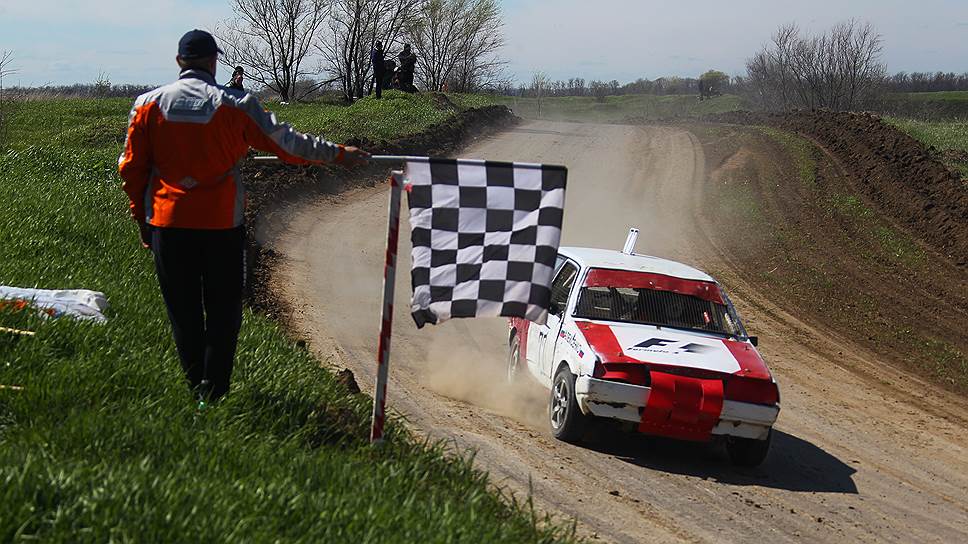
[202, 273]
[378, 83]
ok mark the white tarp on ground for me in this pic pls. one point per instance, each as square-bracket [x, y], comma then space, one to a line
[79, 303]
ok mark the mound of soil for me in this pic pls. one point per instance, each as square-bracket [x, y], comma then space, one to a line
[905, 180]
[266, 182]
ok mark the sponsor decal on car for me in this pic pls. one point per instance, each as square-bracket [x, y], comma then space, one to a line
[676, 348]
[572, 341]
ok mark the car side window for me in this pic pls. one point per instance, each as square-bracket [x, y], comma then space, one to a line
[561, 286]
[559, 261]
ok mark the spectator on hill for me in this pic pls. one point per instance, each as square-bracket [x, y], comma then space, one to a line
[379, 65]
[237, 76]
[389, 74]
[180, 166]
[408, 64]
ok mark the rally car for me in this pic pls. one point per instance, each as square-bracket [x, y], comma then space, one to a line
[650, 342]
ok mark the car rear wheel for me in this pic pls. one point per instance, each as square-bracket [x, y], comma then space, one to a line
[567, 421]
[748, 452]
[514, 361]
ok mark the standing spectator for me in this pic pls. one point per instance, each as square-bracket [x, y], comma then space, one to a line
[408, 64]
[181, 171]
[379, 67]
[237, 77]
[389, 74]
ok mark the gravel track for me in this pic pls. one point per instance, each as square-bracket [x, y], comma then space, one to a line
[863, 452]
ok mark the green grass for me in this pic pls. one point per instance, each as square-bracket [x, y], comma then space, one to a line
[101, 123]
[949, 137]
[103, 442]
[800, 150]
[396, 114]
[76, 123]
[616, 109]
[940, 96]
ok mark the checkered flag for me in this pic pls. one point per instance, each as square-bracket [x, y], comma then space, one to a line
[485, 238]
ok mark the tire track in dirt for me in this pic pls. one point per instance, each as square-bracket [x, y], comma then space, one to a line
[851, 460]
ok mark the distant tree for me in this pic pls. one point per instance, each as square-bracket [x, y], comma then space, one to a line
[539, 86]
[711, 83]
[458, 41]
[6, 59]
[838, 69]
[599, 90]
[101, 88]
[919, 82]
[353, 28]
[272, 40]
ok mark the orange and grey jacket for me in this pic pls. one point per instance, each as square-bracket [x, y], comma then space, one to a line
[185, 143]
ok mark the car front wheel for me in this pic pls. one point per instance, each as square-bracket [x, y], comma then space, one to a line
[747, 452]
[567, 421]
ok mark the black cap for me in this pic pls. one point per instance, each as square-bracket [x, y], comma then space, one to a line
[197, 44]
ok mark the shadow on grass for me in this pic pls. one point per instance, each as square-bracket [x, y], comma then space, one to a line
[793, 464]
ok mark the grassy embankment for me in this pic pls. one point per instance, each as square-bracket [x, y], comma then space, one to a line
[801, 234]
[616, 109]
[948, 137]
[99, 439]
[938, 119]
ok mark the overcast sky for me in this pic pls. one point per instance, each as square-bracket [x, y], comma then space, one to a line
[64, 41]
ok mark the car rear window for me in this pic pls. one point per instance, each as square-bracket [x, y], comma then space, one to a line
[612, 298]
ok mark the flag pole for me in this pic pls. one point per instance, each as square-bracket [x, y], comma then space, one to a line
[373, 158]
[386, 320]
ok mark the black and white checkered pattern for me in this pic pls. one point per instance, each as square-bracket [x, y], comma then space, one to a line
[485, 238]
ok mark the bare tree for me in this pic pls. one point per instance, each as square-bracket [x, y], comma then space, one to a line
[836, 70]
[6, 58]
[271, 39]
[539, 86]
[354, 27]
[458, 42]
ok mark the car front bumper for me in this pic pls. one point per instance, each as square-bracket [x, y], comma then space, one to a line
[623, 401]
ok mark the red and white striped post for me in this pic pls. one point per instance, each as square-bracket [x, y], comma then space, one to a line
[386, 321]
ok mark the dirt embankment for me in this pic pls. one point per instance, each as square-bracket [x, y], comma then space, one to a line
[787, 215]
[267, 182]
[903, 178]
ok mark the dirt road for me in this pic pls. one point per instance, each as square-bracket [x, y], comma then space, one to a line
[863, 452]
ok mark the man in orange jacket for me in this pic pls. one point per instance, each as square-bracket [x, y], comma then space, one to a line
[181, 171]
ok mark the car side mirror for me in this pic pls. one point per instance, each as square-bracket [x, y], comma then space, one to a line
[755, 340]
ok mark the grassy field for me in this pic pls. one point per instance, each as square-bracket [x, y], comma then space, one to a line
[941, 96]
[99, 438]
[100, 124]
[938, 106]
[615, 109]
[949, 137]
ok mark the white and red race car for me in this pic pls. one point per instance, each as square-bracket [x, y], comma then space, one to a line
[648, 341]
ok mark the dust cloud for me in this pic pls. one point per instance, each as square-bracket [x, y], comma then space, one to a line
[462, 371]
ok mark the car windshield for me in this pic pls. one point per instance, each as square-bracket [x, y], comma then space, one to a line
[654, 299]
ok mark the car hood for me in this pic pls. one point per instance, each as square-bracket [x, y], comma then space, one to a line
[667, 348]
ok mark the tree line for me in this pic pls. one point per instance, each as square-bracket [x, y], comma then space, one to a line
[921, 82]
[296, 47]
[578, 86]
